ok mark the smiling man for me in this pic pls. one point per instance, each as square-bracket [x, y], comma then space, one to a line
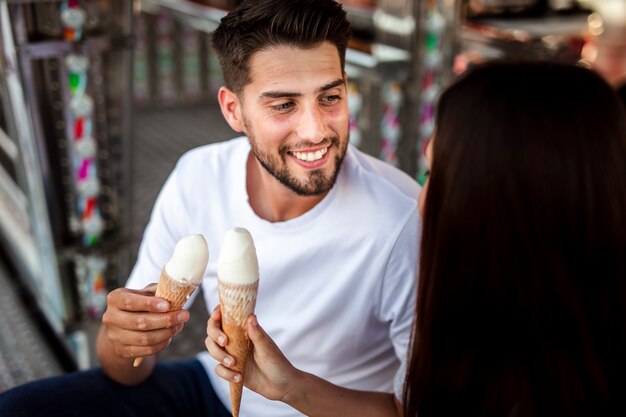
[336, 233]
[296, 120]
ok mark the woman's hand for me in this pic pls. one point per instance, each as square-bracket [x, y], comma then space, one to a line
[268, 372]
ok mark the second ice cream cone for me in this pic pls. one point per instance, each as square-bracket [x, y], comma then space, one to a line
[237, 303]
[237, 284]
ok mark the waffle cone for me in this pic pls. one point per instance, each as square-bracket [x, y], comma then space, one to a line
[237, 303]
[176, 292]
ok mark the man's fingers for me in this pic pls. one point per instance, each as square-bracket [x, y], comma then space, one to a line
[149, 289]
[137, 300]
[147, 338]
[133, 351]
[144, 321]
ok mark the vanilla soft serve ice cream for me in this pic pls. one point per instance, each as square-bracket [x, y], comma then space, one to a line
[237, 263]
[189, 260]
[237, 284]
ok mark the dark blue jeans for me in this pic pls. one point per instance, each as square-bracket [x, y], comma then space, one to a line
[174, 389]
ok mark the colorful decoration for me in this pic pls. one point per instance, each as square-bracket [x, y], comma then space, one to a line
[91, 284]
[390, 125]
[86, 219]
[434, 27]
[83, 150]
[73, 18]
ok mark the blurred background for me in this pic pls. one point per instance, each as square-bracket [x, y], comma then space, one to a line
[98, 99]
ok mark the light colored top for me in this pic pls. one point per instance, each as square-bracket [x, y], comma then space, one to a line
[237, 263]
[338, 282]
[398, 381]
[189, 260]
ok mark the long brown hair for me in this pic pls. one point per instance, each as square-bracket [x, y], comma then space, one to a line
[522, 296]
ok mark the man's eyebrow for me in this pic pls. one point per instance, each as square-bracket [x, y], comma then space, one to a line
[288, 94]
[332, 84]
[279, 94]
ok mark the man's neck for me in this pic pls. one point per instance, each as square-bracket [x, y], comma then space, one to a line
[270, 199]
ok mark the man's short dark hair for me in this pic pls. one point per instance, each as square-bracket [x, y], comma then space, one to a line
[256, 25]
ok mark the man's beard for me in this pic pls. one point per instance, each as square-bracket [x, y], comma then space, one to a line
[317, 183]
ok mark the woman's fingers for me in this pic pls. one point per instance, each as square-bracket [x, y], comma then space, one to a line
[214, 328]
[227, 374]
[218, 353]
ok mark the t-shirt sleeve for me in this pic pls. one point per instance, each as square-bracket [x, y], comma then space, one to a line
[399, 289]
[165, 228]
[398, 380]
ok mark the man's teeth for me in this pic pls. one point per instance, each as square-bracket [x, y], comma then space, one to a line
[310, 156]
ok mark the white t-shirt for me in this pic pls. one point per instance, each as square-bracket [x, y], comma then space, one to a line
[337, 284]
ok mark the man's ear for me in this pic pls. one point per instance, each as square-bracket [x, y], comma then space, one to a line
[231, 108]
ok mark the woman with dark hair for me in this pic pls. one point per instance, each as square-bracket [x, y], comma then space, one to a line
[522, 295]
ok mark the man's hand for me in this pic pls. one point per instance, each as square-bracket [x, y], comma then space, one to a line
[139, 324]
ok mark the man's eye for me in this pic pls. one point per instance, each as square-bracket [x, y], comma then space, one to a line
[331, 99]
[283, 106]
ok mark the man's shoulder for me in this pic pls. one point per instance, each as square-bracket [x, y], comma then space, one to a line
[213, 155]
[223, 148]
[382, 174]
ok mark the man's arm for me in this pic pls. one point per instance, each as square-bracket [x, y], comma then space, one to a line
[135, 324]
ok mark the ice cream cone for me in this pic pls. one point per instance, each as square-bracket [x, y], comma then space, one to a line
[174, 291]
[237, 285]
[183, 273]
[237, 303]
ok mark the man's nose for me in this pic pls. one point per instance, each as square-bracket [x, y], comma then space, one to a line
[312, 126]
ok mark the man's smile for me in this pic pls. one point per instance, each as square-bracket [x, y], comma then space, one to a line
[310, 156]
